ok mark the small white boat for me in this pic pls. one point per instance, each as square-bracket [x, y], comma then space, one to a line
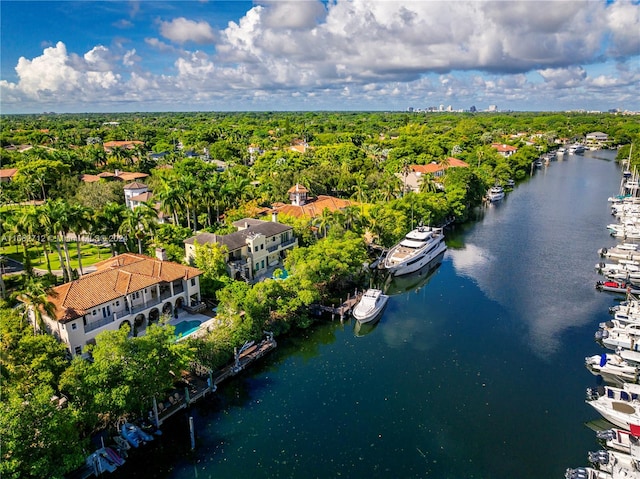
[495, 193]
[612, 365]
[620, 440]
[618, 464]
[419, 247]
[370, 305]
[619, 406]
[576, 149]
[619, 336]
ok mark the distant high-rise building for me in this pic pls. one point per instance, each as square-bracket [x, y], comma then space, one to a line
[493, 107]
[473, 109]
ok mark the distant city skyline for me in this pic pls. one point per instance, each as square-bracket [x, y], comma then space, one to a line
[73, 57]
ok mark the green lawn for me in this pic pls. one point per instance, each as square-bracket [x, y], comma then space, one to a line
[90, 254]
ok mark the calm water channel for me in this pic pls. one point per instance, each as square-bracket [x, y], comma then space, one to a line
[474, 371]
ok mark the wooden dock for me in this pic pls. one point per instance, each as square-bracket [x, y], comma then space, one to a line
[340, 310]
[245, 356]
[204, 381]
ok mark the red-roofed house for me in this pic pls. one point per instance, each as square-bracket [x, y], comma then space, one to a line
[505, 150]
[413, 178]
[125, 145]
[302, 205]
[7, 174]
[127, 289]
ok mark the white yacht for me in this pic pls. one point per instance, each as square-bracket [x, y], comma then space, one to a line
[495, 193]
[576, 149]
[418, 248]
[370, 305]
[619, 406]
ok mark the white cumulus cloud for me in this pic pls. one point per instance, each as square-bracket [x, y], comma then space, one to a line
[181, 30]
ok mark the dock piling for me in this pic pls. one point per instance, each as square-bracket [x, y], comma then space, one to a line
[192, 433]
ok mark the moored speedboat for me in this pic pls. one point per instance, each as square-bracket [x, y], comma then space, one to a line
[370, 305]
[613, 365]
[416, 249]
[134, 435]
[619, 406]
[495, 193]
[621, 440]
[617, 287]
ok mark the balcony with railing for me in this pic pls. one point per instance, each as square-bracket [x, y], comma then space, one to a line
[93, 325]
[282, 245]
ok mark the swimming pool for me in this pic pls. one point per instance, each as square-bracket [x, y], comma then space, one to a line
[283, 275]
[185, 328]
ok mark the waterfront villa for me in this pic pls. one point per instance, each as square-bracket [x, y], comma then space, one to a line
[597, 139]
[252, 250]
[412, 180]
[505, 150]
[129, 289]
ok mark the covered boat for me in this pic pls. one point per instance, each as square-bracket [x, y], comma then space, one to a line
[612, 365]
[416, 249]
[134, 435]
[370, 305]
[617, 287]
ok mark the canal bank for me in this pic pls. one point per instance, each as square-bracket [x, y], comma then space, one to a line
[475, 372]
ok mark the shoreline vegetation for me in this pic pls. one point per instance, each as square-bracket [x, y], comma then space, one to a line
[205, 171]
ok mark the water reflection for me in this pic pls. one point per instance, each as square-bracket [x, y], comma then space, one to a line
[394, 285]
[547, 282]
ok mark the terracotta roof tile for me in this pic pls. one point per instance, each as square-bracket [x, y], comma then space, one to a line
[8, 172]
[115, 277]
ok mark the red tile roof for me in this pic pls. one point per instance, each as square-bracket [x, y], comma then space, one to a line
[313, 208]
[136, 185]
[121, 144]
[502, 148]
[8, 172]
[146, 196]
[114, 278]
[297, 188]
[433, 167]
[89, 178]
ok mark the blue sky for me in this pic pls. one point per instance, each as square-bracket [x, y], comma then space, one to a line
[94, 56]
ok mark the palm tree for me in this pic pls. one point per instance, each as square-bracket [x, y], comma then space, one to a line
[62, 226]
[352, 216]
[170, 197]
[79, 222]
[323, 221]
[35, 295]
[139, 222]
[428, 184]
[210, 190]
[107, 223]
[186, 187]
[24, 225]
[48, 219]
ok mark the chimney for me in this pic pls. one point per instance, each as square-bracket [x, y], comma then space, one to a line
[161, 254]
[274, 216]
